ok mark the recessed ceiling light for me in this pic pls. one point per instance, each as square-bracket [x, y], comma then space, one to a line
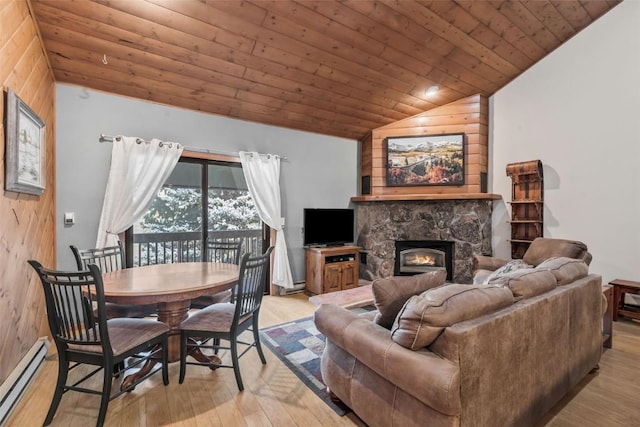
[431, 91]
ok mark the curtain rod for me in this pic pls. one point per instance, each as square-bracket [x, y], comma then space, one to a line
[109, 138]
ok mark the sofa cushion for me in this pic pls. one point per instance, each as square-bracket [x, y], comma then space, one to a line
[513, 265]
[543, 248]
[565, 270]
[390, 294]
[423, 317]
[527, 283]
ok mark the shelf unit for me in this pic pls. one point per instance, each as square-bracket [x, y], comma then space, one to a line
[527, 204]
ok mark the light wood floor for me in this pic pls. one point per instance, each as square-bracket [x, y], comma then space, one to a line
[274, 396]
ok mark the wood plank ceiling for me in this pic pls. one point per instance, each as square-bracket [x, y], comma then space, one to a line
[336, 68]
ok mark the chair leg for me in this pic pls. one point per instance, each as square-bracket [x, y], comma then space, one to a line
[235, 361]
[256, 338]
[183, 356]
[216, 345]
[165, 361]
[106, 394]
[63, 371]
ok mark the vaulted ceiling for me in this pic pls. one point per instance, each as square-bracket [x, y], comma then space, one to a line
[336, 68]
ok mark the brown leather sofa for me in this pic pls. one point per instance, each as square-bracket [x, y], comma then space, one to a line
[469, 355]
[541, 248]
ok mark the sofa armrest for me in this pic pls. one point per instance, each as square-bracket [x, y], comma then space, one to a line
[482, 262]
[426, 376]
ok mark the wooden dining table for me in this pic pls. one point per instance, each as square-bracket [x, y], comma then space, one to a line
[171, 287]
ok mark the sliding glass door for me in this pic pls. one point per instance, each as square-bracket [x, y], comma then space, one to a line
[174, 230]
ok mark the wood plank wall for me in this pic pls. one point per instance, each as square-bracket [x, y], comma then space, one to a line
[27, 223]
[468, 115]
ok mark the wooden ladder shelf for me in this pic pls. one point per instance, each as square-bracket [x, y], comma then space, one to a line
[527, 204]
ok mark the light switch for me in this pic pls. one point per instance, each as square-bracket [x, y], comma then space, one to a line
[69, 218]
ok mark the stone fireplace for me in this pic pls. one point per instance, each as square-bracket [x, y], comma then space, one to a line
[464, 223]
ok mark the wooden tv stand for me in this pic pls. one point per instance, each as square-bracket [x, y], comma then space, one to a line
[330, 269]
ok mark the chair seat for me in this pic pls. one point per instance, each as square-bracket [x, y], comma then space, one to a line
[125, 334]
[215, 318]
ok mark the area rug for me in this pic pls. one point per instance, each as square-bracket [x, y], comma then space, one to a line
[299, 345]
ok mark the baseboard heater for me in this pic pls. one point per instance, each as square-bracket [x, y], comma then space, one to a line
[297, 287]
[13, 388]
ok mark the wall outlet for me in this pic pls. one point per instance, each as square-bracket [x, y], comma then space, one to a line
[69, 218]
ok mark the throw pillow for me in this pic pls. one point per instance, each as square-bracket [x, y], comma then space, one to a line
[543, 248]
[527, 283]
[566, 270]
[513, 265]
[390, 294]
[424, 316]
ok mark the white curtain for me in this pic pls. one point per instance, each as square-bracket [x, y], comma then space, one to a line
[262, 173]
[138, 170]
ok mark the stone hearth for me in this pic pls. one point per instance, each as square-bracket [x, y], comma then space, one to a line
[465, 222]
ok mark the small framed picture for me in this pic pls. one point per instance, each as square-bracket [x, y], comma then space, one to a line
[24, 148]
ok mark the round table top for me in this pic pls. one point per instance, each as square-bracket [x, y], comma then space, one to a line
[168, 282]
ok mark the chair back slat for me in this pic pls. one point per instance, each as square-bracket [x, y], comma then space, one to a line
[107, 259]
[227, 252]
[71, 298]
[250, 287]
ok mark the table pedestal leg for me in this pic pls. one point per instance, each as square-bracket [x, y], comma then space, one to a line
[172, 314]
[214, 361]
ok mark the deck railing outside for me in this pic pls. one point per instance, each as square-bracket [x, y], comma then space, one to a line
[166, 248]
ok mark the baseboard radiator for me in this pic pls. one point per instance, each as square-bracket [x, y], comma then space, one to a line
[297, 287]
[12, 389]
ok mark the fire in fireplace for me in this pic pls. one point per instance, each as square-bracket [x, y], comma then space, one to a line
[420, 256]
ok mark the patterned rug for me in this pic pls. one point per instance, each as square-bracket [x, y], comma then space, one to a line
[299, 345]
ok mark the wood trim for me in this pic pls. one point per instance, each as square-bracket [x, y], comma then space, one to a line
[210, 156]
[418, 197]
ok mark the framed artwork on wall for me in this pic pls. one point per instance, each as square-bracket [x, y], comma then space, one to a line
[425, 160]
[24, 148]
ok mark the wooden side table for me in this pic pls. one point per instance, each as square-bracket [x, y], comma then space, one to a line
[620, 288]
[607, 320]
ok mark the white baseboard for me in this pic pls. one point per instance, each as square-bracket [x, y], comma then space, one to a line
[16, 383]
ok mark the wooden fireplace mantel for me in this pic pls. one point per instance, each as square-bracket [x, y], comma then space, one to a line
[419, 197]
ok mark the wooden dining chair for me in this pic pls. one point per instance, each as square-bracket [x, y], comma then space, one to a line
[217, 251]
[83, 335]
[205, 328]
[109, 259]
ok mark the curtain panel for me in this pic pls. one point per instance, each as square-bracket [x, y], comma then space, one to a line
[262, 173]
[138, 171]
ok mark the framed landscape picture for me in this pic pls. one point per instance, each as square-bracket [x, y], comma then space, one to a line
[24, 148]
[425, 160]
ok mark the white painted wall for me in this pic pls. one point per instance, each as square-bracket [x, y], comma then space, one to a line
[320, 171]
[578, 111]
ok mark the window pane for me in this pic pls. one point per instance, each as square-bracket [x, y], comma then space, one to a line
[232, 213]
[171, 230]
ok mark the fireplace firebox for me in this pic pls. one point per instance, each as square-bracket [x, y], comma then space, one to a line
[421, 256]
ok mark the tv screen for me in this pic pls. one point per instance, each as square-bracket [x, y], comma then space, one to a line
[328, 226]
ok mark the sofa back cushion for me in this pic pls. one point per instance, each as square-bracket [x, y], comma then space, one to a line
[423, 317]
[565, 270]
[390, 294]
[527, 283]
[543, 248]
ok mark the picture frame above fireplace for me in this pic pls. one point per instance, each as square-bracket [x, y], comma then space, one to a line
[426, 159]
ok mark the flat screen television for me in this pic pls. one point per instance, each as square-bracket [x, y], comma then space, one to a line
[328, 227]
